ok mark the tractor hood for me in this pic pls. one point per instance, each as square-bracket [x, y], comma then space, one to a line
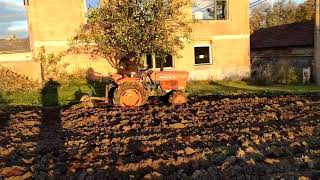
[169, 76]
[171, 80]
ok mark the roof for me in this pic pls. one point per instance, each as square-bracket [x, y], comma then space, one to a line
[295, 34]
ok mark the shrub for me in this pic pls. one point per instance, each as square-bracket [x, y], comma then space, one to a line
[51, 66]
[13, 82]
[262, 75]
[274, 73]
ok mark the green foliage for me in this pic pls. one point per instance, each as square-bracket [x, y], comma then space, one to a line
[13, 82]
[134, 28]
[281, 12]
[69, 93]
[51, 68]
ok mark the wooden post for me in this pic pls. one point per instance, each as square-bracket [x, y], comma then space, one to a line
[316, 68]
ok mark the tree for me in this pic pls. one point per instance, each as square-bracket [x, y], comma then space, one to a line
[134, 28]
[281, 12]
[14, 37]
[259, 16]
[306, 11]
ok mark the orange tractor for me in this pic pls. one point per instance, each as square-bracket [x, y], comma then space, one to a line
[134, 90]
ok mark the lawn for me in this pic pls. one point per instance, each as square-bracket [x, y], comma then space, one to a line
[71, 91]
[245, 88]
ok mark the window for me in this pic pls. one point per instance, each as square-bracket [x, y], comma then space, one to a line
[202, 55]
[167, 64]
[210, 9]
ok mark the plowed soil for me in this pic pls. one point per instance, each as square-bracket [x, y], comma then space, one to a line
[208, 138]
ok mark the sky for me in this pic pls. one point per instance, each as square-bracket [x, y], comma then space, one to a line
[13, 18]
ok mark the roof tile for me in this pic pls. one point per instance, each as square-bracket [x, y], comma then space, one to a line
[295, 34]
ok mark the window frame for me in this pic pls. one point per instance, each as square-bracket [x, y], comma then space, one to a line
[215, 10]
[210, 54]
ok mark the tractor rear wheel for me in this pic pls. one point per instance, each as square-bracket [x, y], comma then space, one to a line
[178, 98]
[130, 94]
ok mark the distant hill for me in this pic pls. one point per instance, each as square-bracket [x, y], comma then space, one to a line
[14, 46]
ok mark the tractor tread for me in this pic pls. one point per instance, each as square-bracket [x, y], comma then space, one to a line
[130, 85]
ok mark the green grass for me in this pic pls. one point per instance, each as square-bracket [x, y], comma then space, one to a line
[244, 88]
[71, 91]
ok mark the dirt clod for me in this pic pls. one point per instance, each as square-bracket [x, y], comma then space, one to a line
[177, 126]
[189, 151]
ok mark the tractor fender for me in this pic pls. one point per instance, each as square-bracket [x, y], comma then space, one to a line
[129, 79]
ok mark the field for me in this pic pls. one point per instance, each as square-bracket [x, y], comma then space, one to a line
[228, 130]
[209, 138]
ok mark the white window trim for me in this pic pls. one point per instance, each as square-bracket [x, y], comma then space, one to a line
[210, 54]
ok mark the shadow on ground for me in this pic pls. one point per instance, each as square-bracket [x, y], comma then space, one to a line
[4, 116]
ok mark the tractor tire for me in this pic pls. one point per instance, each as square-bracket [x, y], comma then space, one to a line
[178, 98]
[130, 94]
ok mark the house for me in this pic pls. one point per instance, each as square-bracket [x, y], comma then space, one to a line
[220, 47]
[289, 43]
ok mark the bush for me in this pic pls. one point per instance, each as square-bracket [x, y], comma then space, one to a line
[13, 82]
[51, 67]
[274, 73]
[262, 75]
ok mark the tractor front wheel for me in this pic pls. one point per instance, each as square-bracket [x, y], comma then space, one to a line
[178, 98]
[130, 94]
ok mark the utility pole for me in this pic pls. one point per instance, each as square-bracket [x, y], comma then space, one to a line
[316, 64]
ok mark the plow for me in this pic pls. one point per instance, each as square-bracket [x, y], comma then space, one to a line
[134, 89]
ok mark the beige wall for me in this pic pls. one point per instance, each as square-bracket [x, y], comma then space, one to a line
[229, 39]
[237, 23]
[31, 69]
[53, 22]
[230, 59]
[84, 62]
[230, 46]
[15, 57]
